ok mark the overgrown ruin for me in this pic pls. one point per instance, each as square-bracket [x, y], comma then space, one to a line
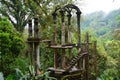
[74, 68]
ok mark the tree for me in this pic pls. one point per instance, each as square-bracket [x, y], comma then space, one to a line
[10, 45]
[43, 9]
[19, 11]
[16, 11]
[116, 34]
[113, 60]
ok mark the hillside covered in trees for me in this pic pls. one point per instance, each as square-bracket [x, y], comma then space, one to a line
[106, 28]
[101, 23]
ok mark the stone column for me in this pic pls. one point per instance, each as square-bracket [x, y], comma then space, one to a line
[63, 39]
[36, 46]
[54, 40]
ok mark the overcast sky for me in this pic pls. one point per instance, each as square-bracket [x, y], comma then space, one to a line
[97, 5]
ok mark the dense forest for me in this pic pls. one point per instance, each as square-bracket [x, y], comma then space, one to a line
[106, 29]
[14, 51]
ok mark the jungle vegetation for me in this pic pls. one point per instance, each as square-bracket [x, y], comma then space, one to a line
[14, 56]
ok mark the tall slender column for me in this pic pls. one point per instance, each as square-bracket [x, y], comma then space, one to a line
[95, 60]
[87, 57]
[69, 33]
[79, 35]
[54, 31]
[36, 28]
[63, 59]
[55, 59]
[30, 43]
[62, 28]
[54, 40]
[30, 29]
[69, 23]
[63, 39]
[79, 30]
[36, 46]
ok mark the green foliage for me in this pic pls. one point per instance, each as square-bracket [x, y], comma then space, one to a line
[92, 35]
[20, 11]
[19, 75]
[9, 77]
[118, 20]
[46, 57]
[16, 11]
[10, 45]
[106, 28]
[100, 22]
[116, 34]
[9, 38]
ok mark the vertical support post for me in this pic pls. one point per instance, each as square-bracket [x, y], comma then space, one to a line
[87, 58]
[30, 29]
[69, 22]
[30, 44]
[79, 35]
[63, 59]
[63, 39]
[62, 28]
[54, 40]
[36, 28]
[79, 63]
[55, 59]
[54, 32]
[36, 46]
[79, 30]
[95, 59]
[69, 33]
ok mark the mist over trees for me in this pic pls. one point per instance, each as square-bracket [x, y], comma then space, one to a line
[106, 27]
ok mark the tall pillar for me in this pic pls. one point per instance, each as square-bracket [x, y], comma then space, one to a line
[87, 57]
[30, 43]
[79, 30]
[54, 40]
[69, 23]
[95, 60]
[30, 29]
[36, 46]
[69, 33]
[62, 28]
[63, 39]
[54, 32]
[79, 36]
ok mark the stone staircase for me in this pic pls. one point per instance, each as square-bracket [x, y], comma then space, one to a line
[75, 60]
